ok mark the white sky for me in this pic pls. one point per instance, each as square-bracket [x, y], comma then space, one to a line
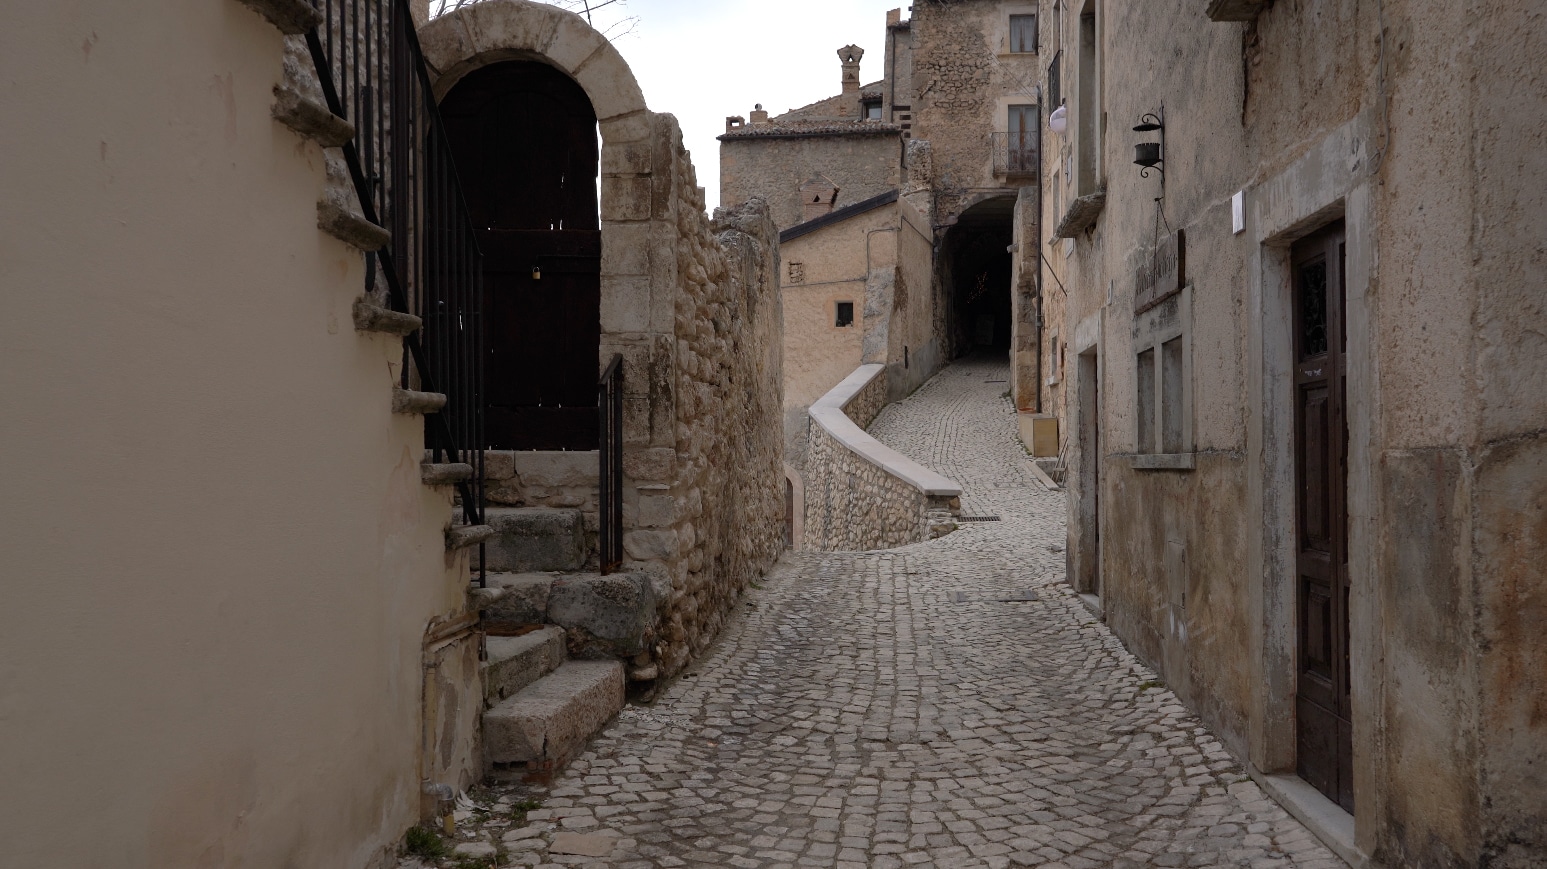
[703, 60]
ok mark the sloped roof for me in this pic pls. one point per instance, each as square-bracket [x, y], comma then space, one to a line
[810, 129]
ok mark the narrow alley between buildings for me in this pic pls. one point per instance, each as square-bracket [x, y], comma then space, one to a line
[951, 703]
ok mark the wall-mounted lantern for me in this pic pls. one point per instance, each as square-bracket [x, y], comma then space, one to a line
[1058, 121]
[1151, 155]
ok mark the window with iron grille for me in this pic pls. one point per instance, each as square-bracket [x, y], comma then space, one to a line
[1023, 34]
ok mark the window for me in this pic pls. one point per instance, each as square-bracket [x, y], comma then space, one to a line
[1054, 356]
[1088, 110]
[1023, 34]
[1055, 81]
[872, 110]
[845, 314]
[1023, 139]
[1162, 375]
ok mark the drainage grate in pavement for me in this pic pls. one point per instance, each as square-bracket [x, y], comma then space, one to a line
[991, 597]
[977, 519]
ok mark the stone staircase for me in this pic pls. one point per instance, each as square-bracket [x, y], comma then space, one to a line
[559, 633]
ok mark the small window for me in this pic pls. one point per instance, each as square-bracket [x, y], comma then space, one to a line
[1023, 34]
[845, 315]
[1146, 384]
[873, 110]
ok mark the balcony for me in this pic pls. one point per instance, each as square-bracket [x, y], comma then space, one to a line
[1017, 155]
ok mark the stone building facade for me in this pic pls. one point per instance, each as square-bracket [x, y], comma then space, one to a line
[272, 651]
[1306, 393]
[936, 154]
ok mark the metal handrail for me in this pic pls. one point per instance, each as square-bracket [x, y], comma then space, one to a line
[372, 73]
[609, 405]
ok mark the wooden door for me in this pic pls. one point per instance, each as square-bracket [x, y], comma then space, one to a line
[524, 139]
[1324, 733]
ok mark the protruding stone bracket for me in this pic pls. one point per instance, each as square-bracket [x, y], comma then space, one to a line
[446, 474]
[349, 226]
[1081, 215]
[464, 536]
[375, 318]
[409, 401]
[309, 118]
[292, 17]
[1235, 10]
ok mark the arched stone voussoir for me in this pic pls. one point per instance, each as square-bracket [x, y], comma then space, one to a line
[491, 31]
[610, 83]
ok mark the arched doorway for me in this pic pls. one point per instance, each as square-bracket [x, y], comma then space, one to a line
[976, 271]
[523, 136]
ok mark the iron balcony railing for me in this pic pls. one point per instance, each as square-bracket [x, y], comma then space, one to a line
[373, 74]
[609, 404]
[1016, 153]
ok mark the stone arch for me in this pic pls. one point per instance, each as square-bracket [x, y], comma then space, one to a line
[493, 31]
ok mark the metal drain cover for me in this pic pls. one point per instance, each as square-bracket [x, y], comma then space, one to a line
[977, 519]
[991, 596]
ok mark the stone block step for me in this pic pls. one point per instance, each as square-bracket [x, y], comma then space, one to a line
[516, 662]
[523, 601]
[539, 729]
[532, 539]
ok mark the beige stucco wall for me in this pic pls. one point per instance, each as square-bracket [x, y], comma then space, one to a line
[219, 559]
[1446, 477]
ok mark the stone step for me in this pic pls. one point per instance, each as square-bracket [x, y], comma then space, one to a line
[409, 401]
[463, 536]
[523, 601]
[308, 117]
[516, 662]
[445, 473]
[539, 729]
[374, 318]
[340, 220]
[290, 16]
[531, 539]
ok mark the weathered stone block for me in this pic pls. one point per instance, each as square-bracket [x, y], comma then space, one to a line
[605, 616]
[516, 662]
[625, 303]
[650, 545]
[608, 81]
[654, 465]
[625, 198]
[557, 470]
[625, 249]
[631, 158]
[525, 600]
[656, 511]
[534, 539]
[499, 464]
[551, 719]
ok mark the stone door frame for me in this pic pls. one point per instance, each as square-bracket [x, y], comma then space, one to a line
[1329, 182]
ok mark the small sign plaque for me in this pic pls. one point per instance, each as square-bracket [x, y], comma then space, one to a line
[1162, 274]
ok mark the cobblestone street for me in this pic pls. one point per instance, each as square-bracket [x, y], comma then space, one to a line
[948, 704]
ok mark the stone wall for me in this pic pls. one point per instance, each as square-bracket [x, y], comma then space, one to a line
[772, 168]
[861, 494]
[693, 309]
[1294, 113]
[727, 499]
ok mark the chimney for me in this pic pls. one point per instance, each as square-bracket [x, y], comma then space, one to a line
[850, 56]
[759, 115]
[894, 18]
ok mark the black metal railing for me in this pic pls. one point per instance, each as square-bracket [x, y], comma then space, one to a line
[373, 75]
[1016, 153]
[609, 406]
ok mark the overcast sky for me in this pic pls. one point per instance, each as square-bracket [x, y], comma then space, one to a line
[703, 60]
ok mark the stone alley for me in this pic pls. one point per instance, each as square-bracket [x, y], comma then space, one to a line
[951, 703]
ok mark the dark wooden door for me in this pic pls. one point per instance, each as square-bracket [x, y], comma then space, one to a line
[1324, 733]
[524, 138]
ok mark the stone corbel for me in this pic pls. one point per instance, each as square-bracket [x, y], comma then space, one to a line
[1235, 10]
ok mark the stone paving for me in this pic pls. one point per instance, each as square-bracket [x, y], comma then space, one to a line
[910, 708]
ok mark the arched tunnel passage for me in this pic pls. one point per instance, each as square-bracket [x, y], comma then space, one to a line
[975, 272]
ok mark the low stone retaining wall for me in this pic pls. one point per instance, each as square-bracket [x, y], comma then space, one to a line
[860, 493]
